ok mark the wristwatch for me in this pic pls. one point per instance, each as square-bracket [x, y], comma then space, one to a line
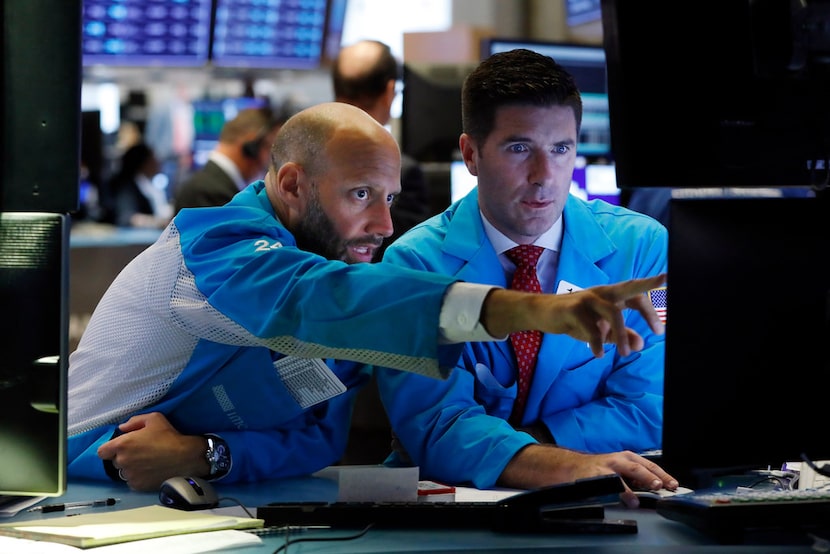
[218, 455]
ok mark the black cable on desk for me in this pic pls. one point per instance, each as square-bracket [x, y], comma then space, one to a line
[289, 541]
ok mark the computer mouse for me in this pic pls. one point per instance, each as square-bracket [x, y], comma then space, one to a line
[188, 493]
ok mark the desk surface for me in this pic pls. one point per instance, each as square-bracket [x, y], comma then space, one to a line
[655, 534]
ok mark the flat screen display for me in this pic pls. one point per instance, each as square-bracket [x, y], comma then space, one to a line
[272, 35]
[746, 370]
[34, 337]
[159, 33]
[209, 116]
[757, 76]
[594, 180]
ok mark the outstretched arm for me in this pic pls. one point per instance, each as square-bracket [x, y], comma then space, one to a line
[593, 315]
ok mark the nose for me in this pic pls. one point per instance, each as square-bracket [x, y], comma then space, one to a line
[380, 222]
[542, 169]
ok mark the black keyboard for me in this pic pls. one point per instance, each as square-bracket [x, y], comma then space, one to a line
[731, 516]
[575, 507]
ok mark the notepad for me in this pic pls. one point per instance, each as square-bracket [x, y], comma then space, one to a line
[119, 526]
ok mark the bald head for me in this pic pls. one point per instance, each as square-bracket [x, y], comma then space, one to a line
[364, 75]
[312, 136]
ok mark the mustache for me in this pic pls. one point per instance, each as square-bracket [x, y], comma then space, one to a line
[370, 240]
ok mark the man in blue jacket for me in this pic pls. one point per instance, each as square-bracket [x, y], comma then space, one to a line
[521, 116]
[232, 347]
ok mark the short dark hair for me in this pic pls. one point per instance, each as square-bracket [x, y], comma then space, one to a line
[371, 83]
[515, 77]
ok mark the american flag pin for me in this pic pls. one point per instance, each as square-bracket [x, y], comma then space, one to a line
[658, 300]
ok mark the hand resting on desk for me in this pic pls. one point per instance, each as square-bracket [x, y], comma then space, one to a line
[151, 450]
[540, 465]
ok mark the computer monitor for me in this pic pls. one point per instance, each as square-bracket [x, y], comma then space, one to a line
[34, 338]
[740, 102]
[431, 109]
[461, 180]
[209, 116]
[746, 369]
[269, 35]
[587, 65]
[162, 33]
[594, 179]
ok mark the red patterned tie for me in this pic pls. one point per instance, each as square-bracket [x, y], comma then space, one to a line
[525, 343]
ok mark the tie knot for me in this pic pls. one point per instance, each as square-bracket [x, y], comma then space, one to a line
[525, 255]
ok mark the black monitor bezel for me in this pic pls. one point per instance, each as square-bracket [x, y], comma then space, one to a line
[746, 372]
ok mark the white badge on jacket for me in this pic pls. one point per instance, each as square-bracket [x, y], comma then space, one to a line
[309, 380]
[566, 287]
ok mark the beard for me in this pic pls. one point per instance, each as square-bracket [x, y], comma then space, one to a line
[315, 233]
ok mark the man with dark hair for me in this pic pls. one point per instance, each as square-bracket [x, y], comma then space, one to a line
[365, 74]
[496, 419]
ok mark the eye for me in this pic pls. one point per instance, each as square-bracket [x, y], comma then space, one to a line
[518, 148]
[561, 149]
[390, 198]
[361, 194]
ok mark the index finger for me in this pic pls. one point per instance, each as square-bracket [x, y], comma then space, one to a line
[633, 287]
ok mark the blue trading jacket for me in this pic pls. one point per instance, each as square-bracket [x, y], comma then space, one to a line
[456, 430]
[192, 326]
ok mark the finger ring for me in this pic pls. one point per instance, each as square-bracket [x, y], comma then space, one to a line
[121, 474]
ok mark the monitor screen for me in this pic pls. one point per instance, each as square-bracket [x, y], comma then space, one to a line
[587, 65]
[335, 22]
[461, 180]
[741, 103]
[431, 109]
[209, 116]
[270, 35]
[34, 338]
[594, 179]
[159, 33]
[746, 368]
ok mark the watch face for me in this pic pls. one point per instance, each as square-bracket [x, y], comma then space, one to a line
[221, 457]
[218, 456]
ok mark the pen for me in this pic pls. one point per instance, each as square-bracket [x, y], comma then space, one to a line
[283, 529]
[71, 505]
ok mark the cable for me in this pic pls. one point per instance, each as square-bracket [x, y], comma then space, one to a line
[288, 541]
[823, 470]
[240, 504]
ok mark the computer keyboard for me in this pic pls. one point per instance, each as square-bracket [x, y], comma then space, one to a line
[730, 516]
[575, 507]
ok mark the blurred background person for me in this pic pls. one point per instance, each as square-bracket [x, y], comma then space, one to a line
[365, 74]
[139, 196]
[239, 158]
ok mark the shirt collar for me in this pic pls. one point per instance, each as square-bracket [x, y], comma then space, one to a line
[550, 239]
[228, 167]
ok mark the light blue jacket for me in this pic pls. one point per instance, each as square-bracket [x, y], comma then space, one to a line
[192, 326]
[457, 430]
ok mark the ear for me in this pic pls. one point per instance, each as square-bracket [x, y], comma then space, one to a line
[468, 152]
[287, 182]
[283, 189]
[389, 94]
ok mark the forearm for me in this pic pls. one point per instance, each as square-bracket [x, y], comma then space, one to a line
[540, 465]
[505, 311]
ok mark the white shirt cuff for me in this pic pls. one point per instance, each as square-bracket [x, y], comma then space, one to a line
[461, 313]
